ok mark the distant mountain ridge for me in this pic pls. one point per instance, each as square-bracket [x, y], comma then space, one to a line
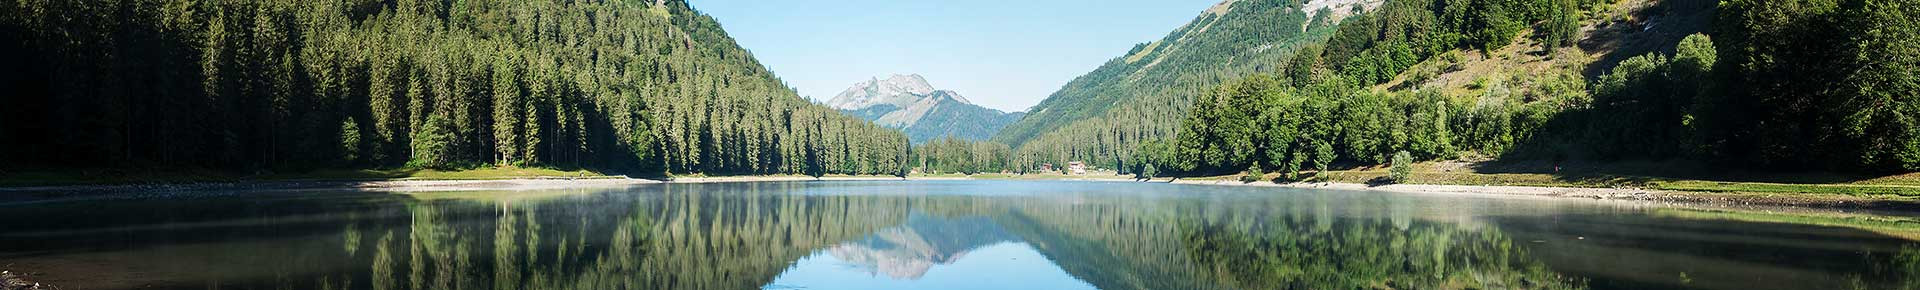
[897, 90]
[1143, 94]
[908, 102]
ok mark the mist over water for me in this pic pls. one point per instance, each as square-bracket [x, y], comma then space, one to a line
[931, 235]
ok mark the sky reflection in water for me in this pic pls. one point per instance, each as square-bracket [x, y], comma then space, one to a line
[940, 235]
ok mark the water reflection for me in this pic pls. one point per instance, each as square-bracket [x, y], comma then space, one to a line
[907, 251]
[1045, 234]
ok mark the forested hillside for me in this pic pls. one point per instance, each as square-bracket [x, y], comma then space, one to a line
[956, 119]
[272, 85]
[1102, 116]
[1781, 85]
[1320, 109]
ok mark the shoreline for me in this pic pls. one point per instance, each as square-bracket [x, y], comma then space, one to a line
[787, 178]
[371, 184]
[32, 194]
[1713, 199]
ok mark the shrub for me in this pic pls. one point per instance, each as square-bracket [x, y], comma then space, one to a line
[1402, 167]
[1253, 175]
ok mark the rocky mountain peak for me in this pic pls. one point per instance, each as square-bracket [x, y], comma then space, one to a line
[908, 102]
[897, 90]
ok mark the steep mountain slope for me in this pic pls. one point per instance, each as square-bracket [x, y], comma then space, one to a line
[1143, 95]
[268, 85]
[953, 118]
[909, 103]
[1742, 85]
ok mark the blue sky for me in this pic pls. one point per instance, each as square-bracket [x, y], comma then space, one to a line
[1002, 54]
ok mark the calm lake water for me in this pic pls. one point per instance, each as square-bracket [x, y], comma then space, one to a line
[938, 235]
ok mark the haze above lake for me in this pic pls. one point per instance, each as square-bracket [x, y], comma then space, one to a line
[930, 235]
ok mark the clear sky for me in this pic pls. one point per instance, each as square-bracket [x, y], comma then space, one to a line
[1002, 54]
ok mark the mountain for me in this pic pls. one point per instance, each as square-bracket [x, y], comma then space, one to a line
[1142, 95]
[896, 90]
[909, 103]
[290, 85]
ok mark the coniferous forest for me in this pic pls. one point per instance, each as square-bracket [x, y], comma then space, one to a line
[656, 87]
[1103, 116]
[284, 85]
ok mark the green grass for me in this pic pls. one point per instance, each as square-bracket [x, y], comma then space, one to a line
[1757, 187]
[1906, 186]
[1903, 227]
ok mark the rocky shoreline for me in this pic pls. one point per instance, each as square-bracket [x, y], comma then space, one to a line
[19, 281]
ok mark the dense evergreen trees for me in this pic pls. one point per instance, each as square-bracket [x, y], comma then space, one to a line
[289, 85]
[1319, 110]
[957, 155]
[1786, 85]
[1646, 106]
[1260, 121]
[1821, 84]
[1103, 116]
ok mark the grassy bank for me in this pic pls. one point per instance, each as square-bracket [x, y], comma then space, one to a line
[1647, 176]
[1897, 226]
[155, 176]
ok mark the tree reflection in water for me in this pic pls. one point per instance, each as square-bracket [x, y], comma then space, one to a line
[682, 237]
[739, 236]
[742, 236]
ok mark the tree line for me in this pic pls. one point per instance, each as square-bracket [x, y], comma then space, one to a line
[1320, 109]
[265, 85]
[1107, 116]
[1823, 84]
[1821, 87]
[963, 156]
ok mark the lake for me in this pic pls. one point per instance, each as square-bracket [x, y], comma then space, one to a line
[940, 235]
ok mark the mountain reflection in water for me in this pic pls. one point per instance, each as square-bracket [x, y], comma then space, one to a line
[940, 235]
[906, 252]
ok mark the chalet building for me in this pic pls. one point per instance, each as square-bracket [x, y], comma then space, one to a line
[1077, 168]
